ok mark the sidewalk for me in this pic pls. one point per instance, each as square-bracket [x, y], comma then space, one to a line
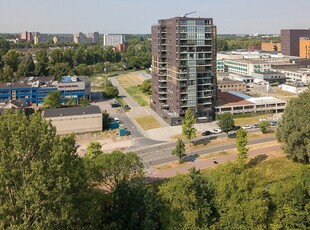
[207, 163]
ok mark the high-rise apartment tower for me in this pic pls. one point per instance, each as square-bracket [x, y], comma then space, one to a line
[184, 68]
[290, 40]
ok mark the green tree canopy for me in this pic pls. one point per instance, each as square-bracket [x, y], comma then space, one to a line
[242, 141]
[42, 63]
[264, 125]
[188, 129]
[116, 167]
[226, 122]
[187, 202]
[93, 149]
[179, 150]
[11, 59]
[111, 91]
[26, 67]
[146, 86]
[294, 128]
[38, 173]
[53, 100]
[239, 202]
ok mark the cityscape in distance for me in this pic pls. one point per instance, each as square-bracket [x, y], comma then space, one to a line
[157, 117]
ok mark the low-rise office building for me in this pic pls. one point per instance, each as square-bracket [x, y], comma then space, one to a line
[300, 75]
[238, 103]
[230, 85]
[33, 90]
[270, 77]
[75, 120]
[270, 46]
[294, 88]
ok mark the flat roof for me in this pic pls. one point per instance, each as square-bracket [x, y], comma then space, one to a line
[228, 99]
[234, 98]
[63, 112]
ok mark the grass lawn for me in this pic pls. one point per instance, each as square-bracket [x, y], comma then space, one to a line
[249, 120]
[130, 79]
[148, 122]
[130, 83]
[136, 94]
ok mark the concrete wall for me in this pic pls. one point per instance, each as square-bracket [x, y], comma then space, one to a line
[77, 124]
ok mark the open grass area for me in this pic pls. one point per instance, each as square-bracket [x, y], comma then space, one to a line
[249, 120]
[130, 83]
[148, 122]
[130, 79]
[136, 93]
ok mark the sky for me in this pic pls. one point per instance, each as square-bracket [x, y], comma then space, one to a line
[137, 16]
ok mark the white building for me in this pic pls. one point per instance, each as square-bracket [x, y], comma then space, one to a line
[113, 39]
[238, 103]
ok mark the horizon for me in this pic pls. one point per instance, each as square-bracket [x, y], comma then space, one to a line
[135, 17]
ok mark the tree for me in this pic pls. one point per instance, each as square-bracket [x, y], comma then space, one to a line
[53, 100]
[111, 91]
[242, 141]
[8, 74]
[42, 181]
[93, 149]
[42, 63]
[226, 122]
[240, 204]
[264, 125]
[146, 86]
[179, 150]
[4, 47]
[26, 67]
[116, 167]
[84, 101]
[188, 129]
[56, 56]
[131, 206]
[105, 121]
[187, 201]
[294, 129]
[11, 59]
[60, 69]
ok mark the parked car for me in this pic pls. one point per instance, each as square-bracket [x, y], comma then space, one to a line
[127, 107]
[127, 132]
[115, 104]
[247, 127]
[255, 126]
[117, 120]
[216, 131]
[206, 133]
[273, 123]
[236, 127]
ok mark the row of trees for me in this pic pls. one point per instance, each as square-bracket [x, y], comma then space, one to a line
[78, 60]
[44, 184]
[234, 43]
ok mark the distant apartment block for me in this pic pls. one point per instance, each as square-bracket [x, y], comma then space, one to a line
[26, 36]
[114, 39]
[63, 39]
[304, 47]
[89, 38]
[270, 46]
[184, 68]
[290, 40]
[40, 38]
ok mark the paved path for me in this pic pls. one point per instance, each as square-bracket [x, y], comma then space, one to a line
[207, 163]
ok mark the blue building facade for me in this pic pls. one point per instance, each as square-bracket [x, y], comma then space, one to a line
[36, 89]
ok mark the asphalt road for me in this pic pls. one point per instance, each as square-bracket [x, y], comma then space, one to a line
[163, 155]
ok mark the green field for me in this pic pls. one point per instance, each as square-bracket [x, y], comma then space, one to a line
[148, 122]
[136, 94]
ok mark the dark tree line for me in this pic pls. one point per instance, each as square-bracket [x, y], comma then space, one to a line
[76, 60]
[45, 184]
